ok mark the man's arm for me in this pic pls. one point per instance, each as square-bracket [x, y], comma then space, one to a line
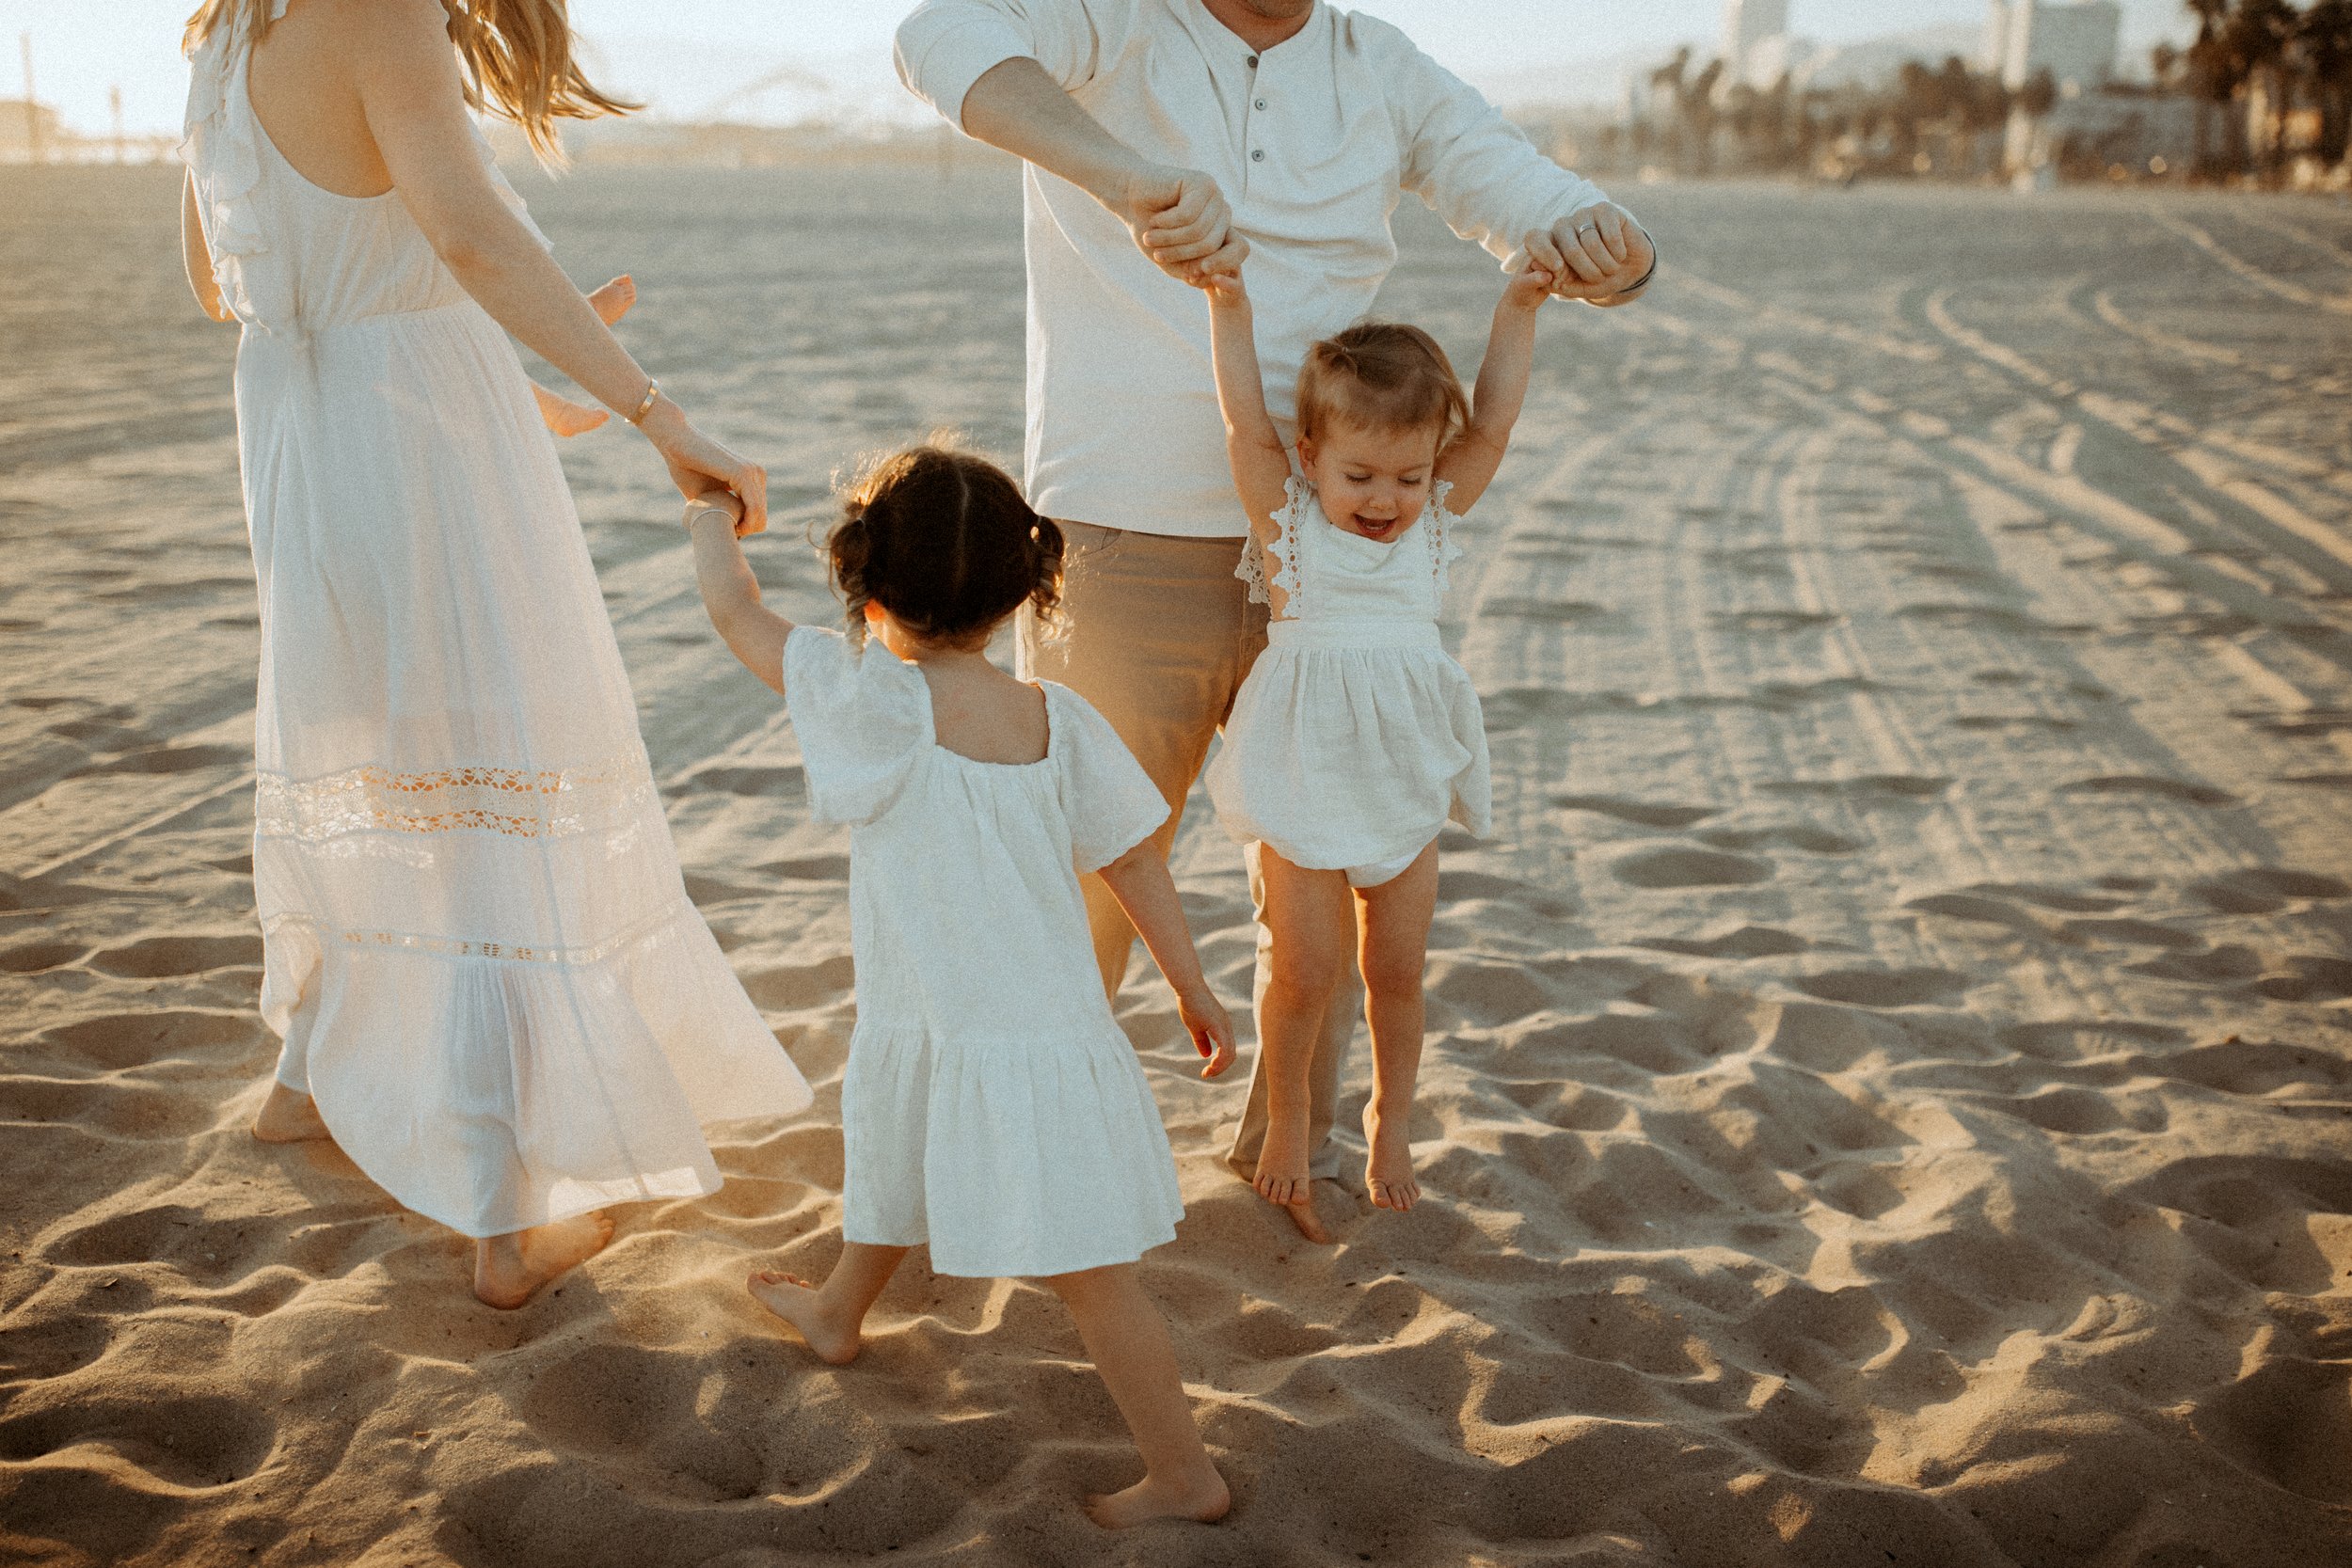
[1002, 71]
[1493, 188]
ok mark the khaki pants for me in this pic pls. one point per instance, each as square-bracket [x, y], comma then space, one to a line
[1158, 633]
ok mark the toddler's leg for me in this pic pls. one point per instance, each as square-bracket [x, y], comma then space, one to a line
[1128, 1340]
[1311, 921]
[1395, 953]
[831, 1316]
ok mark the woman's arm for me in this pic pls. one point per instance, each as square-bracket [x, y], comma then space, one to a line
[413, 97]
[1139, 880]
[1260, 463]
[1470, 462]
[196, 256]
[730, 591]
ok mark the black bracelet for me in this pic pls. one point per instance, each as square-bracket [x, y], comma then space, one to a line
[1641, 282]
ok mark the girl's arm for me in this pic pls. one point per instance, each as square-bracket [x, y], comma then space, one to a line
[730, 591]
[1139, 880]
[196, 257]
[413, 97]
[1262, 465]
[1470, 462]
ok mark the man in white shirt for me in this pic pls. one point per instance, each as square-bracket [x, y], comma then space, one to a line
[1157, 132]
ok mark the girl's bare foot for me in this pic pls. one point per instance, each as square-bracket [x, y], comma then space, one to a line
[611, 302]
[796, 1301]
[1388, 1172]
[287, 1116]
[1201, 1497]
[508, 1270]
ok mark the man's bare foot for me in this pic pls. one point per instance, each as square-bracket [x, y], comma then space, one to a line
[1200, 1498]
[508, 1270]
[287, 1116]
[1303, 1215]
[1388, 1172]
[795, 1300]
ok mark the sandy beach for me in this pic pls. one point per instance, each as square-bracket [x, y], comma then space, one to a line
[1889, 1095]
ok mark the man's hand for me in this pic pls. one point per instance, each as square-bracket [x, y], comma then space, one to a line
[1594, 253]
[1178, 218]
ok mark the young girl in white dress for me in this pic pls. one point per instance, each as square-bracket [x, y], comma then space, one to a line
[1355, 738]
[991, 1109]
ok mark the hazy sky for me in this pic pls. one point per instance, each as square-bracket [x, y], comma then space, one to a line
[81, 47]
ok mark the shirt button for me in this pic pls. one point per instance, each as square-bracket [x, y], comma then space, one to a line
[1253, 62]
[1261, 103]
[1257, 155]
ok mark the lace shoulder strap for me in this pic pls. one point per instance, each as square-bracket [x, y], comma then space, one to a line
[1444, 549]
[1283, 551]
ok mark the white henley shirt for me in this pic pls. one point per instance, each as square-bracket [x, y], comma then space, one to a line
[1312, 141]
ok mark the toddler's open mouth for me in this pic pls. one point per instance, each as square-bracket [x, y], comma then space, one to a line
[1374, 527]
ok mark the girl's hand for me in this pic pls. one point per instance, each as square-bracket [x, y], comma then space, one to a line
[1212, 1030]
[1221, 275]
[1528, 288]
[698, 463]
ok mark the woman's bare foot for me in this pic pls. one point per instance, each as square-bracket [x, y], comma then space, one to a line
[835, 1342]
[508, 1270]
[1201, 1497]
[287, 1116]
[1388, 1172]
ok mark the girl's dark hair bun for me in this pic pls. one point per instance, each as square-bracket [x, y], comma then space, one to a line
[943, 539]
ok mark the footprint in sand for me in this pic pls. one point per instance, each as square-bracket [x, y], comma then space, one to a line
[188, 1442]
[1884, 988]
[2265, 890]
[790, 987]
[1647, 814]
[784, 783]
[2141, 783]
[34, 958]
[1812, 840]
[2223, 966]
[1869, 787]
[2315, 978]
[168, 957]
[1747, 941]
[1681, 868]
[176, 759]
[1772, 620]
[117, 1041]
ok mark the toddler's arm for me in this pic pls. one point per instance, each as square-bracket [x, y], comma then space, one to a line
[1262, 465]
[1470, 462]
[1139, 880]
[730, 591]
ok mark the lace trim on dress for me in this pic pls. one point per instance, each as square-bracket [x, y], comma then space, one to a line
[1444, 549]
[462, 947]
[548, 803]
[1284, 550]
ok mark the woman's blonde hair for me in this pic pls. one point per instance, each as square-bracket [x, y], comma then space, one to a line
[517, 58]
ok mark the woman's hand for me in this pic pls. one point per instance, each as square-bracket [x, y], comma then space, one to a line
[697, 464]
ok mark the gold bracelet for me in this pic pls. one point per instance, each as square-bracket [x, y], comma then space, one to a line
[652, 391]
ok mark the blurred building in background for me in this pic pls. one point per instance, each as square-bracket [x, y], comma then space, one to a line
[2076, 44]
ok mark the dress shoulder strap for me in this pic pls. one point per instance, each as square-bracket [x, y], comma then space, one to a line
[1282, 553]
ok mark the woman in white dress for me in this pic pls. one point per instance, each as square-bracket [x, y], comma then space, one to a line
[493, 992]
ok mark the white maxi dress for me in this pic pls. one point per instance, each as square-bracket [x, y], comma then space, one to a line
[478, 946]
[1355, 736]
[990, 1107]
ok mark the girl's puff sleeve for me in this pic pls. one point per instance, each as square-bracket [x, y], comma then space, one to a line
[1111, 803]
[863, 718]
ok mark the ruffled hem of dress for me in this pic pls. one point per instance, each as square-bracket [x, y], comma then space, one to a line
[492, 1087]
[1040, 1153]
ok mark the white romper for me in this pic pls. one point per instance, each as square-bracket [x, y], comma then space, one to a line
[1355, 738]
[991, 1106]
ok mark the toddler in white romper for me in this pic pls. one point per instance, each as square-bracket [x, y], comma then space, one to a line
[992, 1109]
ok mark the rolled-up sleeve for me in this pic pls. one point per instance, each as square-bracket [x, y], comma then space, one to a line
[943, 46]
[1474, 168]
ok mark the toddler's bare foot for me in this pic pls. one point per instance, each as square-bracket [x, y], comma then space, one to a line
[287, 1116]
[796, 1301]
[611, 302]
[508, 1270]
[563, 417]
[1203, 1498]
[1388, 1172]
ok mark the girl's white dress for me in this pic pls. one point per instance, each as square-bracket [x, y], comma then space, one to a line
[1355, 736]
[991, 1106]
[478, 946]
